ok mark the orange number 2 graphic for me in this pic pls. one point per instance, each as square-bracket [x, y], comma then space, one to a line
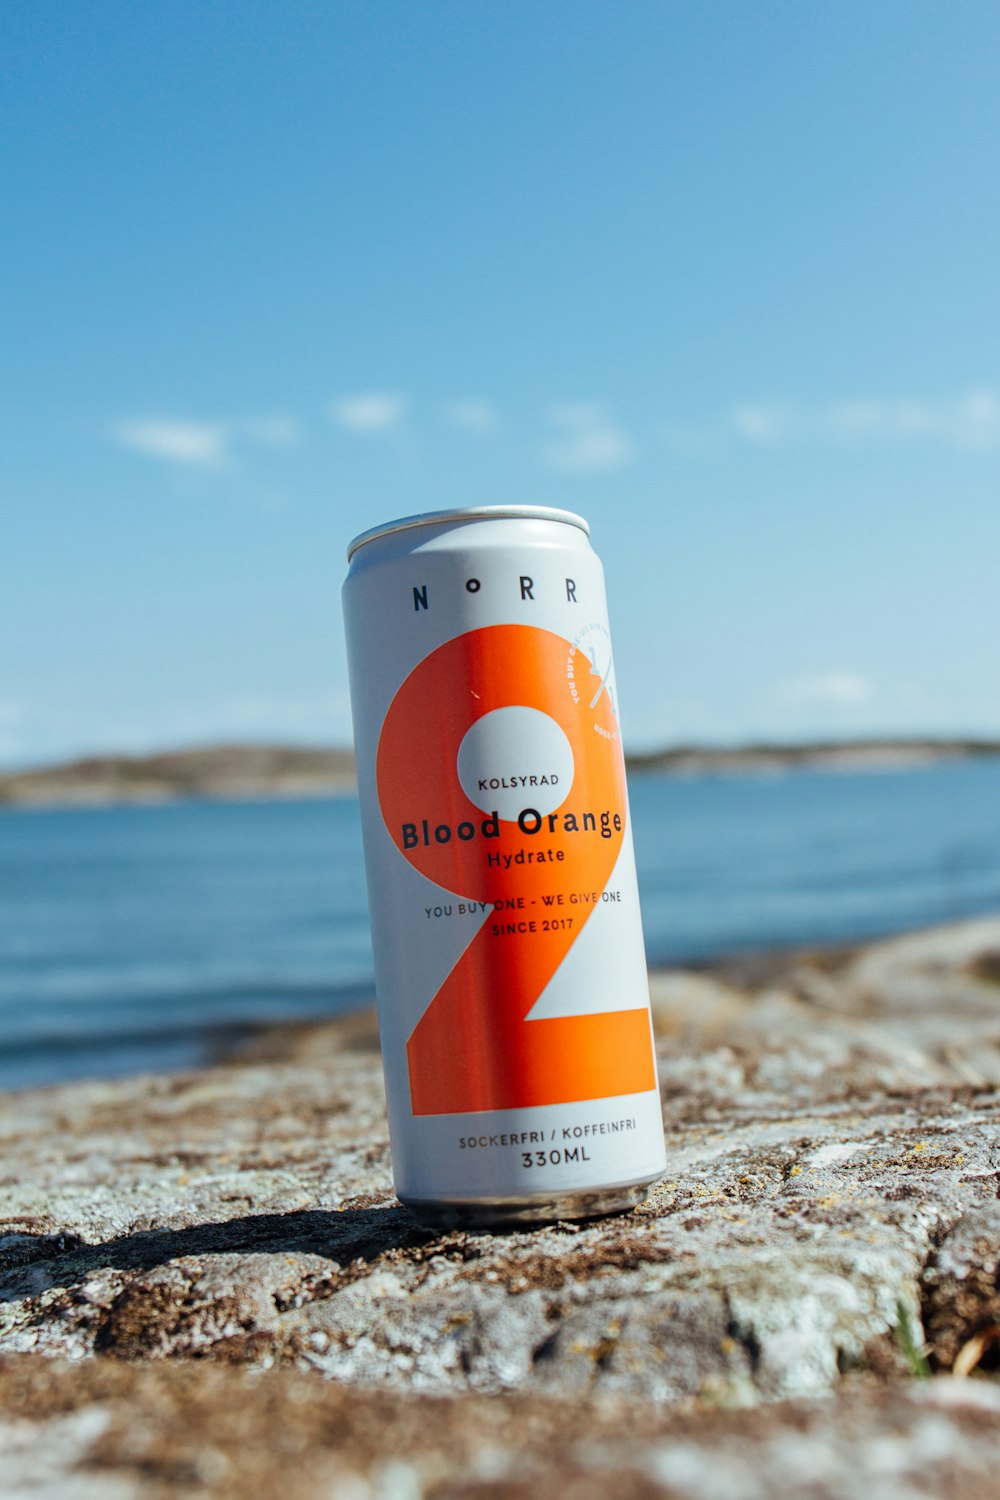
[473, 1048]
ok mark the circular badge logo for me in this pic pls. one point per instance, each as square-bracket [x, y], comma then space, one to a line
[590, 674]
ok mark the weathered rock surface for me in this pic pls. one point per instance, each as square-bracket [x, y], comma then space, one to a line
[832, 1203]
[171, 1431]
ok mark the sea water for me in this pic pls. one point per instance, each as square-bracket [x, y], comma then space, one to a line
[150, 937]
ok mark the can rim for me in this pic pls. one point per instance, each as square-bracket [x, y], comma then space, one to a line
[470, 513]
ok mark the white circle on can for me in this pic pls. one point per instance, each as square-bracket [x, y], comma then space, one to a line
[513, 758]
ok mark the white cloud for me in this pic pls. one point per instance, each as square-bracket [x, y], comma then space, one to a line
[373, 411]
[763, 423]
[837, 689]
[589, 442]
[472, 413]
[197, 444]
[970, 420]
[203, 445]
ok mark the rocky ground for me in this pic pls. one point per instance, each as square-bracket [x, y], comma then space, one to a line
[207, 1288]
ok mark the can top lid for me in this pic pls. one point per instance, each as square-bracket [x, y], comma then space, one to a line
[470, 513]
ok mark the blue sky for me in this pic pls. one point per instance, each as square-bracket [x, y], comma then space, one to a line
[720, 276]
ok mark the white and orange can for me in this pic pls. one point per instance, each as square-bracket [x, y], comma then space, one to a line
[509, 962]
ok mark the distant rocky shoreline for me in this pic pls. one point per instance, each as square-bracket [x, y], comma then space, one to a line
[214, 771]
[219, 771]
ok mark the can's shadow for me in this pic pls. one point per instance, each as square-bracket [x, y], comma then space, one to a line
[32, 1264]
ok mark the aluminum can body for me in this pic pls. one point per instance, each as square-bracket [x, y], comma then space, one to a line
[509, 962]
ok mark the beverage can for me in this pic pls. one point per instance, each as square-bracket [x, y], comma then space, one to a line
[510, 970]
